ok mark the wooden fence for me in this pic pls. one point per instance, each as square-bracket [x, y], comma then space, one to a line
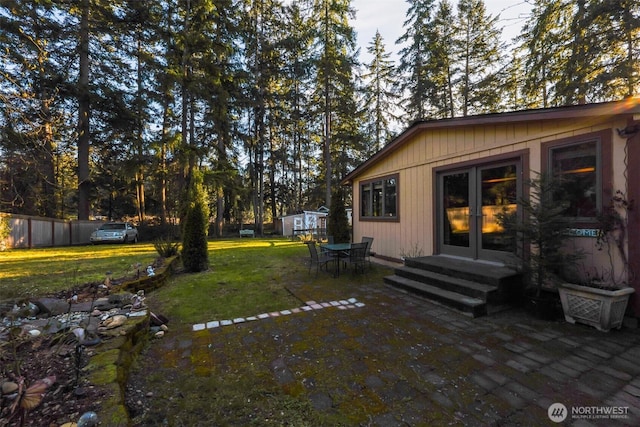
[35, 232]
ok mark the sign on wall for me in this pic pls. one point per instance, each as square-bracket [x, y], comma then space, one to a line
[583, 232]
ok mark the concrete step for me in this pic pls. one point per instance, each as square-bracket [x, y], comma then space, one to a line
[450, 283]
[464, 303]
[474, 271]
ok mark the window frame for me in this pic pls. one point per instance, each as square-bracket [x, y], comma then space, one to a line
[370, 183]
[604, 167]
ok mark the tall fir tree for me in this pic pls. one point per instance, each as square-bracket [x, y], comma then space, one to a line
[32, 107]
[338, 224]
[478, 48]
[544, 40]
[414, 80]
[335, 86]
[297, 83]
[380, 99]
[441, 63]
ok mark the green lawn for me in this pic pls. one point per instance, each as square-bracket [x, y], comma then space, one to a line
[26, 273]
[241, 270]
[246, 277]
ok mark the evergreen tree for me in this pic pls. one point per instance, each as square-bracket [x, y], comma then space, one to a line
[415, 81]
[614, 38]
[380, 99]
[263, 32]
[581, 62]
[441, 62]
[83, 95]
[577, 52]
[335, 86]
[478, 49]
[338, 224]
[33, 122]
[296, 84]
[544, 39]
[195, 255]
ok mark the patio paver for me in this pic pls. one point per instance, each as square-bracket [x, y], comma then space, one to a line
[400, 360]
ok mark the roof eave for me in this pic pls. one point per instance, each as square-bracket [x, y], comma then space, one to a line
[615, 108]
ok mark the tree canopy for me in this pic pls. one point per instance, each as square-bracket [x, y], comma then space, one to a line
[108, 108]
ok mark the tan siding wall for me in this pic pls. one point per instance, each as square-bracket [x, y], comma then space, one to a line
[415, 160]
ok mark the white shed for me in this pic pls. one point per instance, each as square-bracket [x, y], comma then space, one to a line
[305, 222]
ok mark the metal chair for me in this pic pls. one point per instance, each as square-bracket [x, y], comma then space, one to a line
[329, 242]
[368, 254]
[316, 259]
[356, 258]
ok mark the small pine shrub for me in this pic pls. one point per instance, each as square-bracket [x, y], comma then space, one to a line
[338, 224]
[195, 255]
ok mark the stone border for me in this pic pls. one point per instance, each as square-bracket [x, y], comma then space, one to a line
[309, 306]
[111, 361]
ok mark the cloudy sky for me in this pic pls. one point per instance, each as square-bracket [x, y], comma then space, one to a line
[388, 17]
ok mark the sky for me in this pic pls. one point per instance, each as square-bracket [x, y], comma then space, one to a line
[388, 17]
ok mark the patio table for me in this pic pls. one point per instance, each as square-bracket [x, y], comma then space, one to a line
[337, 251]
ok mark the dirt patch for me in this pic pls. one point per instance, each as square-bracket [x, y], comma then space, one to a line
[66, 399]
[25, 360]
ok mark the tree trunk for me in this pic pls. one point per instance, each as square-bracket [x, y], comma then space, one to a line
[84, 184]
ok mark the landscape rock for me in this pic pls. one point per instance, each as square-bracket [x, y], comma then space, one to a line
[52, 306]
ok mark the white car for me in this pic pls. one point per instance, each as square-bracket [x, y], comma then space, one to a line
[115, 232]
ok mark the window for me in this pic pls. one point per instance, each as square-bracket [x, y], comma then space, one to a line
[577, 167]
[585, 164]
[379, 198]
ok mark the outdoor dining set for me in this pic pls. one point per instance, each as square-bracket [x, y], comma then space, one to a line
[356, 256]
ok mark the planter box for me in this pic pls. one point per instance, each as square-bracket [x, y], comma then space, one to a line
[600, 308]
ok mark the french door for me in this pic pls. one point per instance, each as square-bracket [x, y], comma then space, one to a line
[468, 203]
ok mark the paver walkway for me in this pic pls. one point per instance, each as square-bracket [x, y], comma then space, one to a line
[396, 360]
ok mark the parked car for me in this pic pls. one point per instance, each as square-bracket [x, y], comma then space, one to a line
[116, 232]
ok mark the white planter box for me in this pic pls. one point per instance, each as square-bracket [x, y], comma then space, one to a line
[600, 308]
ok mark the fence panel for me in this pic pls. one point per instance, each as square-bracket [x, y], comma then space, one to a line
[41, 233]
[61, 233]
[33, 232]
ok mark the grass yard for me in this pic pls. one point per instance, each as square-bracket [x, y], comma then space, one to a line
[27, 273]
[222, 377]
[246, 276]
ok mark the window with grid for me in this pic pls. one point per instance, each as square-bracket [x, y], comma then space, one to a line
[379, 198]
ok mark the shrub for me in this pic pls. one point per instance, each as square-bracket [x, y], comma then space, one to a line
[195, 255]
[166, 248]
[5, 232]
[338, 224]
[539, 236]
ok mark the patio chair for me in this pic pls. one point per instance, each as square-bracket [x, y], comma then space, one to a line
[314, 258]
[356, 258]
[329, 242]
[368, 254]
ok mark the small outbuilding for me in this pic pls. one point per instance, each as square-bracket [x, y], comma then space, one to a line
[305, 222]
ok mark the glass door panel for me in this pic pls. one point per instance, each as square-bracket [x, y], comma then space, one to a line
[498, 194]
[456, 230]
[470, 201]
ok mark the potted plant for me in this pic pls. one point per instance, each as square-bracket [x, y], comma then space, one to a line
[539, 230]
[602, 301]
